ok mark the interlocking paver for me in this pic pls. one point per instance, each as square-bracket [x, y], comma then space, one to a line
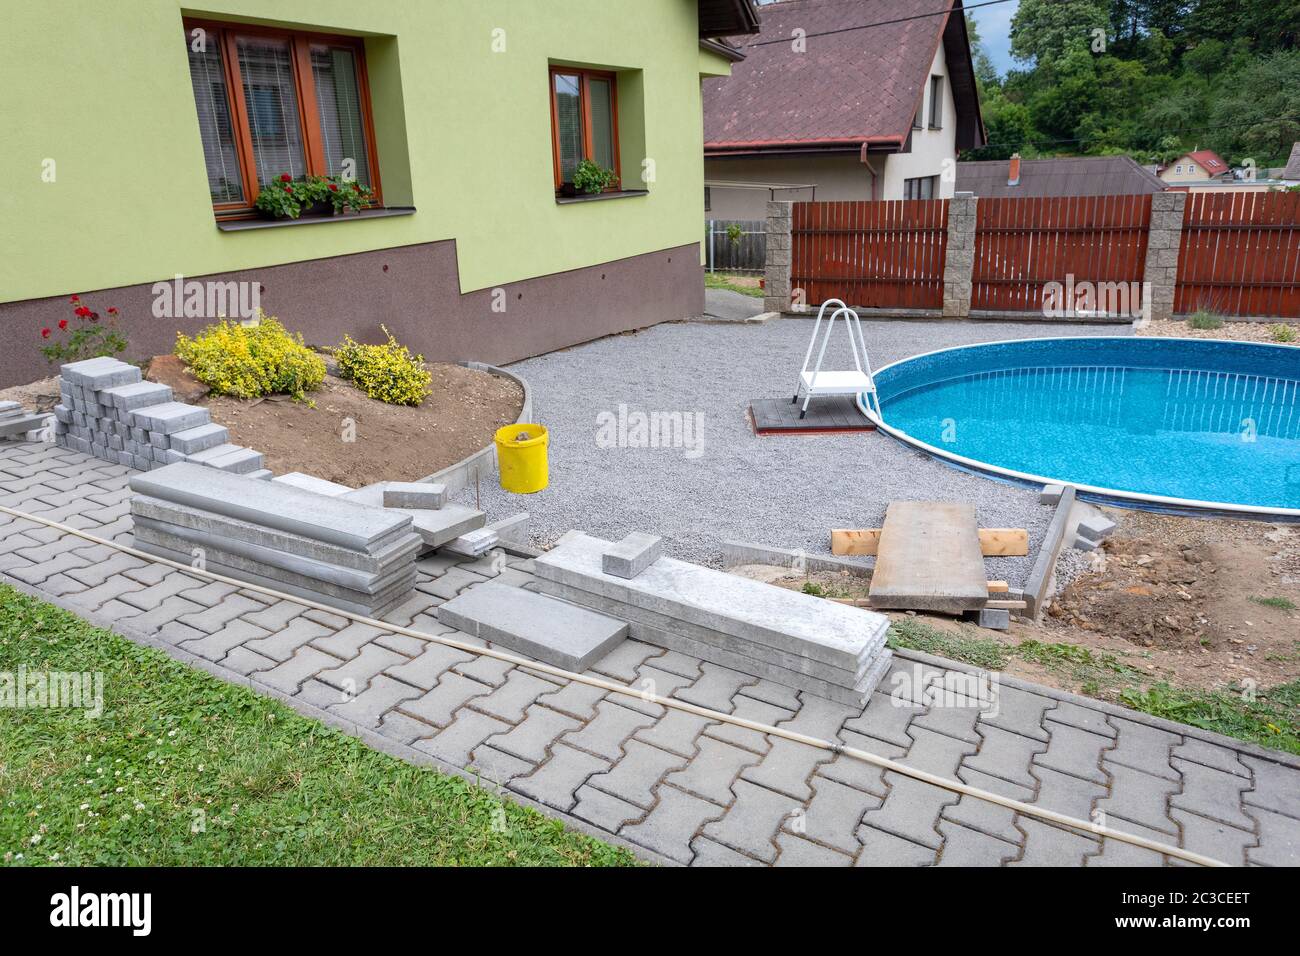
[243, 661]
[1073, 751]
[751, 823]
[622, 662]
[455, 742]
[1211, 793]
[1047, 845]
[911, 810]
[749, 708]
[426, 670]
[345, 643]
[440, 705]
[835, 813]
[604, 809]
[1082, 718]
[152, 596]
[217, 645]
[575, 699]
[497, 765]
[447, 585]
[400, 727]
[796, 851]
[1019, 712]
[715, 688]
[1214, 839]
[712, 853]
[1143, 748]
[218, 615]
[1064, 793]
[275, 616]
[650, 680]
[1139, 797]
[1006, 755]
[677, 732]
[305, 663]
[936, 753]
[674, 822]
[1279, 839]
[322, 695]
[886, 718]
[787, 767]
[103, 571]
[990, 818]
[1115, 852]
[1276, 787]
[96, 597]
[773, 693]
[607, 732]
[356, 674]
[509, 701]
[556, 782]
[712, 772]
[148, 621]
[281, 644]
[381, 696]
[858, 773]
[1198, 751]
[881, 848]
[636, 775]
[532, 737]
[956, 719]
[965, 847]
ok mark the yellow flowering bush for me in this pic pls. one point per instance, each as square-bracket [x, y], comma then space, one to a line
[251, 361]
[388, 372]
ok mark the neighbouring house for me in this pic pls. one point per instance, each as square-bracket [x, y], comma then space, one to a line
[467, 119]
[1198, 166]
[1068, 176]
[843, 100]
[1290, 174]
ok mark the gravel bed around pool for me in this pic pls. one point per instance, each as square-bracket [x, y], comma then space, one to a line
[716, 480]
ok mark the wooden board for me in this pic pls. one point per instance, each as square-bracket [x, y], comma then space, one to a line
[994, 542]
[929, 558]
[826, 413]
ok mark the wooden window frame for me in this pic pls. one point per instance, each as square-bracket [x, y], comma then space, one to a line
[936, 101]
[300, 43]
[585, 76]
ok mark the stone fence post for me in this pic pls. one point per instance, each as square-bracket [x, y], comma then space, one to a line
[959, 259]
[1164, 238]
[776, 276]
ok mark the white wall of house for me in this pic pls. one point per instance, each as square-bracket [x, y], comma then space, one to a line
[930, 147]
[1184, 170]
[841, 177]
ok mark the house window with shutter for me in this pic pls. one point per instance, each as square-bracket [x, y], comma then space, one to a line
[275, 102]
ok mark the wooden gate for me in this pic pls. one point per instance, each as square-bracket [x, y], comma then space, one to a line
[1023, 244]
[886, 255]
[1240, 254]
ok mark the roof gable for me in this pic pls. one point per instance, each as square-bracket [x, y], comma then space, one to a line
[1208, 160]
[848, 88]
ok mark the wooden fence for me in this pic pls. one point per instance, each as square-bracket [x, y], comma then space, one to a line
[1023, 244]
[1240, 254]
[871, 254]
[747, 253]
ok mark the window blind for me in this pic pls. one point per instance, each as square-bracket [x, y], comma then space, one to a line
[272, 101]
[208, 78]
[338, 101]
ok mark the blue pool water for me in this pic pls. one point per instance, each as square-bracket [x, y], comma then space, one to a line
[1191, 419]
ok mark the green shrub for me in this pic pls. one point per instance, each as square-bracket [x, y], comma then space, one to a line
[1204, 319]
[249, 361]
[1282, 332]
[592, 178]
[388, 372]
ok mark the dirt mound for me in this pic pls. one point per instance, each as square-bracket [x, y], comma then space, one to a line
[1150, 593]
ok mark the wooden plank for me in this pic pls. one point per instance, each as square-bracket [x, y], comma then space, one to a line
[928, 558]
[1007, 605]
[994, 542]
[999, 587]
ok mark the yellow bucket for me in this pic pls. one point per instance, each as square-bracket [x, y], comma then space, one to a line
[522, 461]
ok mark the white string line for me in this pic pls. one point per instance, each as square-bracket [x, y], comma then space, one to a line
[955, 786]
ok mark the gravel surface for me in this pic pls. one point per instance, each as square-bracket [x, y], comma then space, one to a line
[784, 491]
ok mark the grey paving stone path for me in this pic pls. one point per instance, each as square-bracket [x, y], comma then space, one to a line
[674, 786]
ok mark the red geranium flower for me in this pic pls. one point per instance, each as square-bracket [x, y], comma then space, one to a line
[333, 188]
[82, 311]
[63, 323]
[286, 178]
[288, 189]
[75, 298]
[112, 310]
[45, 333]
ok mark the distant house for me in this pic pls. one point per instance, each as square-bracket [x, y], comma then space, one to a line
[821, 107]
[1071, 176]
[1290, 175]
[1197, 166]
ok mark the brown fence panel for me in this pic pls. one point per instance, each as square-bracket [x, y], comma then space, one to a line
[1023, 244]
[1240, 254]
[886, 255]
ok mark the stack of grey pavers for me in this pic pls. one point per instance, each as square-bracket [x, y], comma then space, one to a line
[16, 422]
[808, 643]
[341, 553]
[108, 412]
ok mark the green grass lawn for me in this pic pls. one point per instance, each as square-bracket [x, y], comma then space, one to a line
[718, 280]
[183, 769]
[1269, 717]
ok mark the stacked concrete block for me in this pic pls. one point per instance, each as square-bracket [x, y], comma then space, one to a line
[810, 644]
[438, 526]
[347, 555]
[776, 285]
[108, 411]
[17, 423]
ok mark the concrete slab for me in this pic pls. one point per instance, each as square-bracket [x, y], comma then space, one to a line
[193, 440]
[426, 495]
[169, 417]
[544, 628]
[136, 395]
[320, 486]
[435, 527]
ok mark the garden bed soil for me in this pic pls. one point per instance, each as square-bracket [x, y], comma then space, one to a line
[1230, 331]
[391, 442]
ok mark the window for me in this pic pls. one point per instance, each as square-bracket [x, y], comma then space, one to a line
[272, 102]
[936, 102]
[708, 199]
[584, 121]
[924, 187]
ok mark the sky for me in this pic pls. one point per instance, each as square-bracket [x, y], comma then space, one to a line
[994, 26]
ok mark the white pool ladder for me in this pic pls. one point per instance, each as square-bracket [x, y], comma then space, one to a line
[835, 381]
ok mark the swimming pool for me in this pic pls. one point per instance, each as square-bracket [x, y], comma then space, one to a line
[1183, 424]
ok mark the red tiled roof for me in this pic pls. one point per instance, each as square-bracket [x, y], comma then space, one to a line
[855, 87]
[1209, 160]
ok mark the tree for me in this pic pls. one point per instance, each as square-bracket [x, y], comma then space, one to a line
[1258, 114]
[1044, 32]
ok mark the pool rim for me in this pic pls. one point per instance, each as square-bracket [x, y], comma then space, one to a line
[1106, 495]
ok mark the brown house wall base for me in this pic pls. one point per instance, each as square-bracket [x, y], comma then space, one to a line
[414, 291]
